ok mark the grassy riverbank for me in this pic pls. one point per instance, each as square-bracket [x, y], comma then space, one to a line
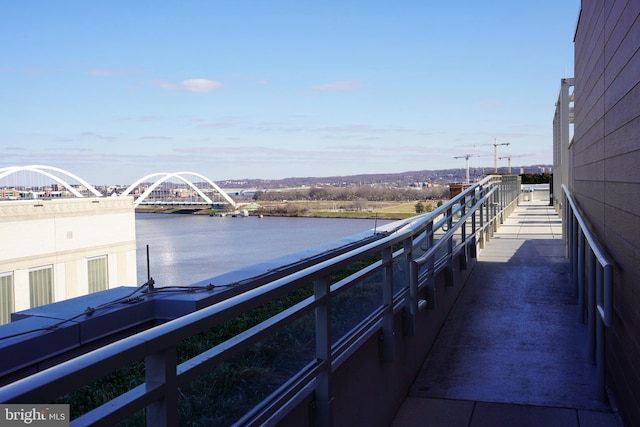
[327, 209]
[364, 215]
[313, 209]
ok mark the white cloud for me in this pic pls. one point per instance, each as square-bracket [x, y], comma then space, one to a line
[200, 85]
[191, 85]
[338, 86]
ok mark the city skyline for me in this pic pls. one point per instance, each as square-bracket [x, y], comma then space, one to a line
[249, 90]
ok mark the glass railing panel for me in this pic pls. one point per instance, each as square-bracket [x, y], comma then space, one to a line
[400, 274]
[352, 306]
[99, 392]
[221, 396]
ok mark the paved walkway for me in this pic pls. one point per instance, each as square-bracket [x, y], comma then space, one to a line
[512, 352]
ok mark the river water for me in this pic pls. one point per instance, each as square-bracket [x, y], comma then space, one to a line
[184, 249]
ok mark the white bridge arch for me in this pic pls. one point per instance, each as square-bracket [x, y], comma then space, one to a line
[167, 175]
[44, 170]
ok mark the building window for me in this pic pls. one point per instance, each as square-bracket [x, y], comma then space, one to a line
[6, 297]
[98, 278]
[41, 286]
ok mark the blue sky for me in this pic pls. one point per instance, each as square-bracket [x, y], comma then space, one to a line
[115, 90]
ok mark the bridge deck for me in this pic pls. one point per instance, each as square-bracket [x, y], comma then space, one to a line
[512, 351]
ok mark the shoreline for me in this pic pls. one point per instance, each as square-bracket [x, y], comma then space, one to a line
[318, 214]
[318, 209]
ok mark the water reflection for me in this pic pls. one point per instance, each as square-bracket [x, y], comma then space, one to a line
[185, 249]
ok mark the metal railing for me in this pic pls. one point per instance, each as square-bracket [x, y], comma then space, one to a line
[397, 267]
[591, 271]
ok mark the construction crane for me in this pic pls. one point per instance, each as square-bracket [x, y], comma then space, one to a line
[509, 157]
[495, 152]
[466, 157]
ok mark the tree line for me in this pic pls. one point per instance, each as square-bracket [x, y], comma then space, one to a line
[350, 193]
[373, 193]
[536, 178]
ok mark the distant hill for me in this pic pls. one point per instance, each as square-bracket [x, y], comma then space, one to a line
[400, 179]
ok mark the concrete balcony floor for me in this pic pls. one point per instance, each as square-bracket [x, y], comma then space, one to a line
[513, 351]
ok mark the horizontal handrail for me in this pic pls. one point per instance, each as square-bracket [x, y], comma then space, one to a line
[486, 200]
[593, 243]
[605, 302]
[589, 263]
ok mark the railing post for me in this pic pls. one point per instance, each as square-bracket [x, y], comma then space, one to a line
[474, 227]
[565, 219]
[496, 205]
[492, 215]
[160, 368]
[600, 355]
[449, 267]
[603, 300]
[501, 199]
[591, 300]
[515, 191]
[487, 216]
[607, 294]
[430, 268]
[580, 263]
[482, 219]
[323, 401]
[388, 352]
[411, 307]
[463, 235]
[575, 265]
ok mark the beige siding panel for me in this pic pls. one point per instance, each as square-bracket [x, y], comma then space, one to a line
[606, 155]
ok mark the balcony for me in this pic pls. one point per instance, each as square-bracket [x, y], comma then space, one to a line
[475, 298]
[514, 349]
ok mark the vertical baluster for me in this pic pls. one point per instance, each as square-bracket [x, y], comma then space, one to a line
[607, 297]
[323, 403]
[412, 288]
[388, 353]
[448, 271]
[591, 300]
[481, 211]
[574, 267]
[463, 235]
[580, 268]
[474, 226]
[160, 368]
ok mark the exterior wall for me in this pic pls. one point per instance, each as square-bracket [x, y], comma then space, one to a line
[63, 233]
[562, 120]
[606, 178]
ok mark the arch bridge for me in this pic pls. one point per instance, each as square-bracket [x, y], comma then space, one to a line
[60, 176]
[152, 189]
[151, 193]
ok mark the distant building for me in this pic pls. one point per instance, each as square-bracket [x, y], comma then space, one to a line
[57, 249]
[455, 189]
[9, 194]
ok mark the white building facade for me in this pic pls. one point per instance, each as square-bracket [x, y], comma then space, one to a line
[52, 250]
